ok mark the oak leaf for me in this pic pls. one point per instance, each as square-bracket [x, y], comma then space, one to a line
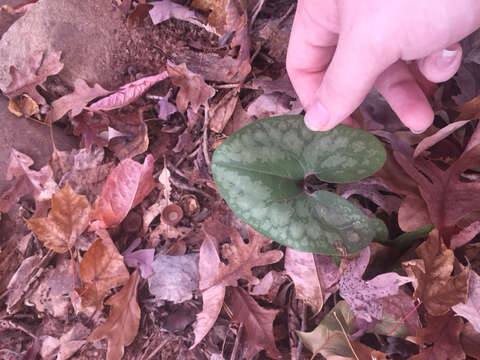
[448, 198]
[432, 276]
[257, 322]
[32, 74]
[101, 269]
[470, 310]
[91, 128]
[76, 101]
[366, 297]
[123, 322]
[193, 88]
[126, 186]
[442, 335]
[470, 340]
[68, 218]
[39, 184]
[128, 93]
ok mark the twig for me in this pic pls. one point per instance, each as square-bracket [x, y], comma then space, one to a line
[8, 324]
[237, 342]
[304, 327]
[256, 11]
[346, 336]
[190, 188]
[404, 318]
[205, 136]
[157, 349]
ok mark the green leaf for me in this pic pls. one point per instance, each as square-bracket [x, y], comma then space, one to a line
[259, 171]
[327, 338]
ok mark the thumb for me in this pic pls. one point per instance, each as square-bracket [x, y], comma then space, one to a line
[347, 81]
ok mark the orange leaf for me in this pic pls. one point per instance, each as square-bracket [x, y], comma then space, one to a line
[67, 220]
[122, 324]
[433, 281]
[101, 269]
[126, 186]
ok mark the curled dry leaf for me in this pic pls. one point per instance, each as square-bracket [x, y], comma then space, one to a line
[123, 322]
[126, 186]
[432, 276]
[465, 235]
[39, 184]
[167, 9]
[142, 258]
[130, 135]
[101, 269]
[127, 93]
[32, 74]
[258, 323]
[23, 105]
[366, 297]
[193, 88]
[67, 220]
[221, 113]
[76, 101]
[470, 310]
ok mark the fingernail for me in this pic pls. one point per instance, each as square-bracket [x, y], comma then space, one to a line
[317, 118]
[447, 58]
[418, 132]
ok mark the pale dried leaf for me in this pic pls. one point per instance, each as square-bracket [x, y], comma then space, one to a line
[142, 258]
[413, 213]
[470, 310]
[465, 235]
[221, 113]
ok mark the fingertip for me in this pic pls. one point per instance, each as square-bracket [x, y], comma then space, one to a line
[441, 65]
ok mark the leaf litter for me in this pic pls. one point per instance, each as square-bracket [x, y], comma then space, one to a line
[77, 257]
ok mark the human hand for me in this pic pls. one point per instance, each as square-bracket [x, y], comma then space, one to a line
[340, 49]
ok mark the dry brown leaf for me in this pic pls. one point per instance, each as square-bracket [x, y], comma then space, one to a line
[91, 128]
[208, 267]
[67, 220]
[167, 9]
[470, 340]
[243, 257]
[133, 135]
[39, 184]
[193, 88]
[126, 186]
[465, 235]
[432, 276]
[32, 74]
[217, 17]
[470, 110]
[101, 269]
[413, 213]
[76, 101]
[442, 333]
[23, 105]
[123, 322]
[258, 324]
[221, 113]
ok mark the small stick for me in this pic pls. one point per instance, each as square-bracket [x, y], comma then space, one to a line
[345, 334]
[205, 137]
[404, 318]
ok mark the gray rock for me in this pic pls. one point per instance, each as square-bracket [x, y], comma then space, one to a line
[90, 33]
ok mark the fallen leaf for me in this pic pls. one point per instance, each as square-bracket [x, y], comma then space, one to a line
[167, 9]
[470, 340]
[217, 17]
[90, 127]
[126, 186]
[443, 334]
[365, 297]
[69, 217]
[469, 110]
[269, 286]
[448, 198]
[142, 258]
[23, 105]
[222, 112]
[470, 308]
[76, 101]
[434, 283]
[122, 324]
[257, 322]
[413, 204]
[131, 138]
[39, 184]
[300, 266]
[138, 15]
[465, 235]
[175, 278]
[128, 93]
[193, 88]
[101, 269]
[268, 105]
[21, 8]
[243, 257]
[32, 74]
[208, 267]
[164, 107]
[328, 338]
[429, 141]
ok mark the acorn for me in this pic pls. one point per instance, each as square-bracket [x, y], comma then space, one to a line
[172, 214]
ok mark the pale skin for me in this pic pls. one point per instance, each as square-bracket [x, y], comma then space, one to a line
[340, 49]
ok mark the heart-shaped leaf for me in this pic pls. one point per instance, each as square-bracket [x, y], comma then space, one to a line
[259, 171]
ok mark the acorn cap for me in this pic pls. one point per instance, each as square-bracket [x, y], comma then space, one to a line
[172, 214]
